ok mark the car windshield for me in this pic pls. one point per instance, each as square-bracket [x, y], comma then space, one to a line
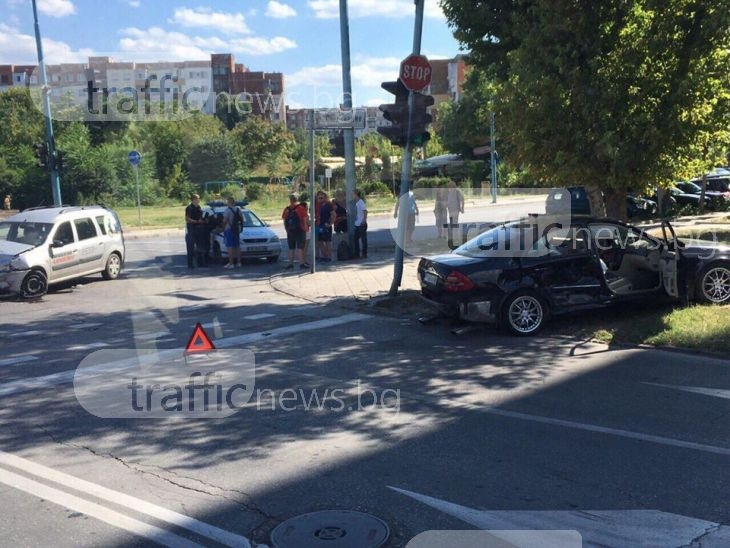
[691, 187]
[24, 232]
[250, 219]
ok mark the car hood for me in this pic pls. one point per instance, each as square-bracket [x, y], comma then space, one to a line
[454, 260]
[257, 232]
[8, 250]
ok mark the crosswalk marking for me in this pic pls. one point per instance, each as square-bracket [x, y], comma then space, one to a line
[102, 513]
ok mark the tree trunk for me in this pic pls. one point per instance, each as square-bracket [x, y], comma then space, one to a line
[616, 203]
[595, 197]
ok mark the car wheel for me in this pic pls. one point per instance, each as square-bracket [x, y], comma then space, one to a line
[113, 267]
[35, 284]
[714, 284]
[524, 313]
[273, 258]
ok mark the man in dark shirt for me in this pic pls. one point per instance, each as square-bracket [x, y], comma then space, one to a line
[194, 233]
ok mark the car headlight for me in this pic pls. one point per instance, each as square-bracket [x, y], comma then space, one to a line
[274, 240]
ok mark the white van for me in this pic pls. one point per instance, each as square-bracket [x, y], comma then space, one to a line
[43, 246]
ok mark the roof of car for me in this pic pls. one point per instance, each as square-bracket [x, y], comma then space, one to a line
[50, 214]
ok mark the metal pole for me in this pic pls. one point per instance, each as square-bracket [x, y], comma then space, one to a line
[139, 198]
[493, 159]
[45, 90]
[312, 228]
[349, 133]
[406, 168]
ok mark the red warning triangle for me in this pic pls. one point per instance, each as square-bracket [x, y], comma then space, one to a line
[199, 341]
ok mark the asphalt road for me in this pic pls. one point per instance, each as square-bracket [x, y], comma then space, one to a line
[351, 411]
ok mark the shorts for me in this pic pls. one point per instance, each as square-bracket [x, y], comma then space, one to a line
[296, 239]
[324, 233]
[231, 238]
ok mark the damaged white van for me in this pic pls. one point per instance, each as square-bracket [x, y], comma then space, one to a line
[40, 247]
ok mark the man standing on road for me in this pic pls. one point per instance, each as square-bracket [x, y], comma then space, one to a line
[361, 226]
[296, 224]
[455, 206]
[194, 228]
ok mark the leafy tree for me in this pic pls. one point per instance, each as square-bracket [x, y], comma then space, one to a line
[256, 140]
[212, 160]
[603, 94]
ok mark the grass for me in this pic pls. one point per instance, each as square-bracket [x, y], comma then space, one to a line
[702, 328]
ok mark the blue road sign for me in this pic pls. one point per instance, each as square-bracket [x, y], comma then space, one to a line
[134, 158]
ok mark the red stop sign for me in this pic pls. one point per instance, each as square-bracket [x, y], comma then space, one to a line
[415, 72]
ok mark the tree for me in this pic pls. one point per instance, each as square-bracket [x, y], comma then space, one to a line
[602, 96]
[212, 160]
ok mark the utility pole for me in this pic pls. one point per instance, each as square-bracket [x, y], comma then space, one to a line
[45, 91]
[406, 168]
[348, 133]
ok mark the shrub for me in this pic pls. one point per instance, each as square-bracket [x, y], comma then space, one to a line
[253, 191]
[375, 187]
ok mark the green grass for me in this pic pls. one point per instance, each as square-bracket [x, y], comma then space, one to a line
[703, 328]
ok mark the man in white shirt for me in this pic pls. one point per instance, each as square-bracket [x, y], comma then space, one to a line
[361, 226]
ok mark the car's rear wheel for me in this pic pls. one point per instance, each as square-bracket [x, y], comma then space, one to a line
[35, 284]
[524, 313]
[113, 267]
[714, 284]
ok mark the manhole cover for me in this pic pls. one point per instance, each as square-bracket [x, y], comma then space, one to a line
[331, 528]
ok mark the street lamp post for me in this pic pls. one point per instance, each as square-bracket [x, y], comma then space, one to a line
[45, 91]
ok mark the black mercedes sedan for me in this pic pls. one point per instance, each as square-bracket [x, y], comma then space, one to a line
[521, 273]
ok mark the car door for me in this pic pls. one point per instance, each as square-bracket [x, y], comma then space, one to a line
[669, 260]
[90, 246]
[567, 271]
[64, 253]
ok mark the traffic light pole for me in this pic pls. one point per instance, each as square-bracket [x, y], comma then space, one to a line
[348, 133]
[45, 91]
[406, 168]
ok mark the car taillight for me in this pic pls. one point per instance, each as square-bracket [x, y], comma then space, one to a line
[456, 281]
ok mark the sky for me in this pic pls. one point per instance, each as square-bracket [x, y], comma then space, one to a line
[299, 38]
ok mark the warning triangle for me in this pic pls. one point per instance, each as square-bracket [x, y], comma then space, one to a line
[199, 341]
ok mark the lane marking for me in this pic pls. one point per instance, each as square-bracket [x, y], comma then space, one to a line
[90, 346]
[63, 377]
[198, 527]
[597, 527]
[714, 392]
[259, 317]
[18, 360]
[96, 511]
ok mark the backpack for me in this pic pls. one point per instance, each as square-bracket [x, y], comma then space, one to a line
[237, 224]
[292, 222]
[343, 251]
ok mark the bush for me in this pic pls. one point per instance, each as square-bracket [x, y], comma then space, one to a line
[375, 187]
[253, 191]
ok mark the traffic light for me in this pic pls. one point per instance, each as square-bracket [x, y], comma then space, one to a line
[41, 152]
[60, 158]
[420, 119]
[397, 114]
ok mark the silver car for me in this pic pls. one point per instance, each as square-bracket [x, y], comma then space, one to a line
[258, 241]
[44, 246]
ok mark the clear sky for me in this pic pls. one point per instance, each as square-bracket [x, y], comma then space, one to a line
[300, 38]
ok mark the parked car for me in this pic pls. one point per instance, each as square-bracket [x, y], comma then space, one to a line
[437, 165]
[520, 274]
[574, 200]
[258, 241]
[44, 246]
[718, 200]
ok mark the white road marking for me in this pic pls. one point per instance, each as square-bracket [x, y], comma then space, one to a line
[201, 528]
[17, 361]
[85, 347]
[598, 528]
[714, 392]
[259, 317]
[84, 325]
[28, 334]
[63, 377]
[96, 511]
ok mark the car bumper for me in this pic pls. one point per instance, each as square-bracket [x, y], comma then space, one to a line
[260, 249]
[483, 311]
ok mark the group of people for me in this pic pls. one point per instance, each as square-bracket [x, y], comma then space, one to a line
[198, 230]
[330, 217]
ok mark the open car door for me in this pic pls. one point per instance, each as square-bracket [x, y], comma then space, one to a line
[669, 260]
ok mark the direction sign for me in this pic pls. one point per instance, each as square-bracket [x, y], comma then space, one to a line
[134, 158]
[415, 72]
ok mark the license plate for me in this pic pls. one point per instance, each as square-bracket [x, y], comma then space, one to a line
[430, 278]
[255, 248]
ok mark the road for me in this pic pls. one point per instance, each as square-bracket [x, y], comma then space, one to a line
[354, 414]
